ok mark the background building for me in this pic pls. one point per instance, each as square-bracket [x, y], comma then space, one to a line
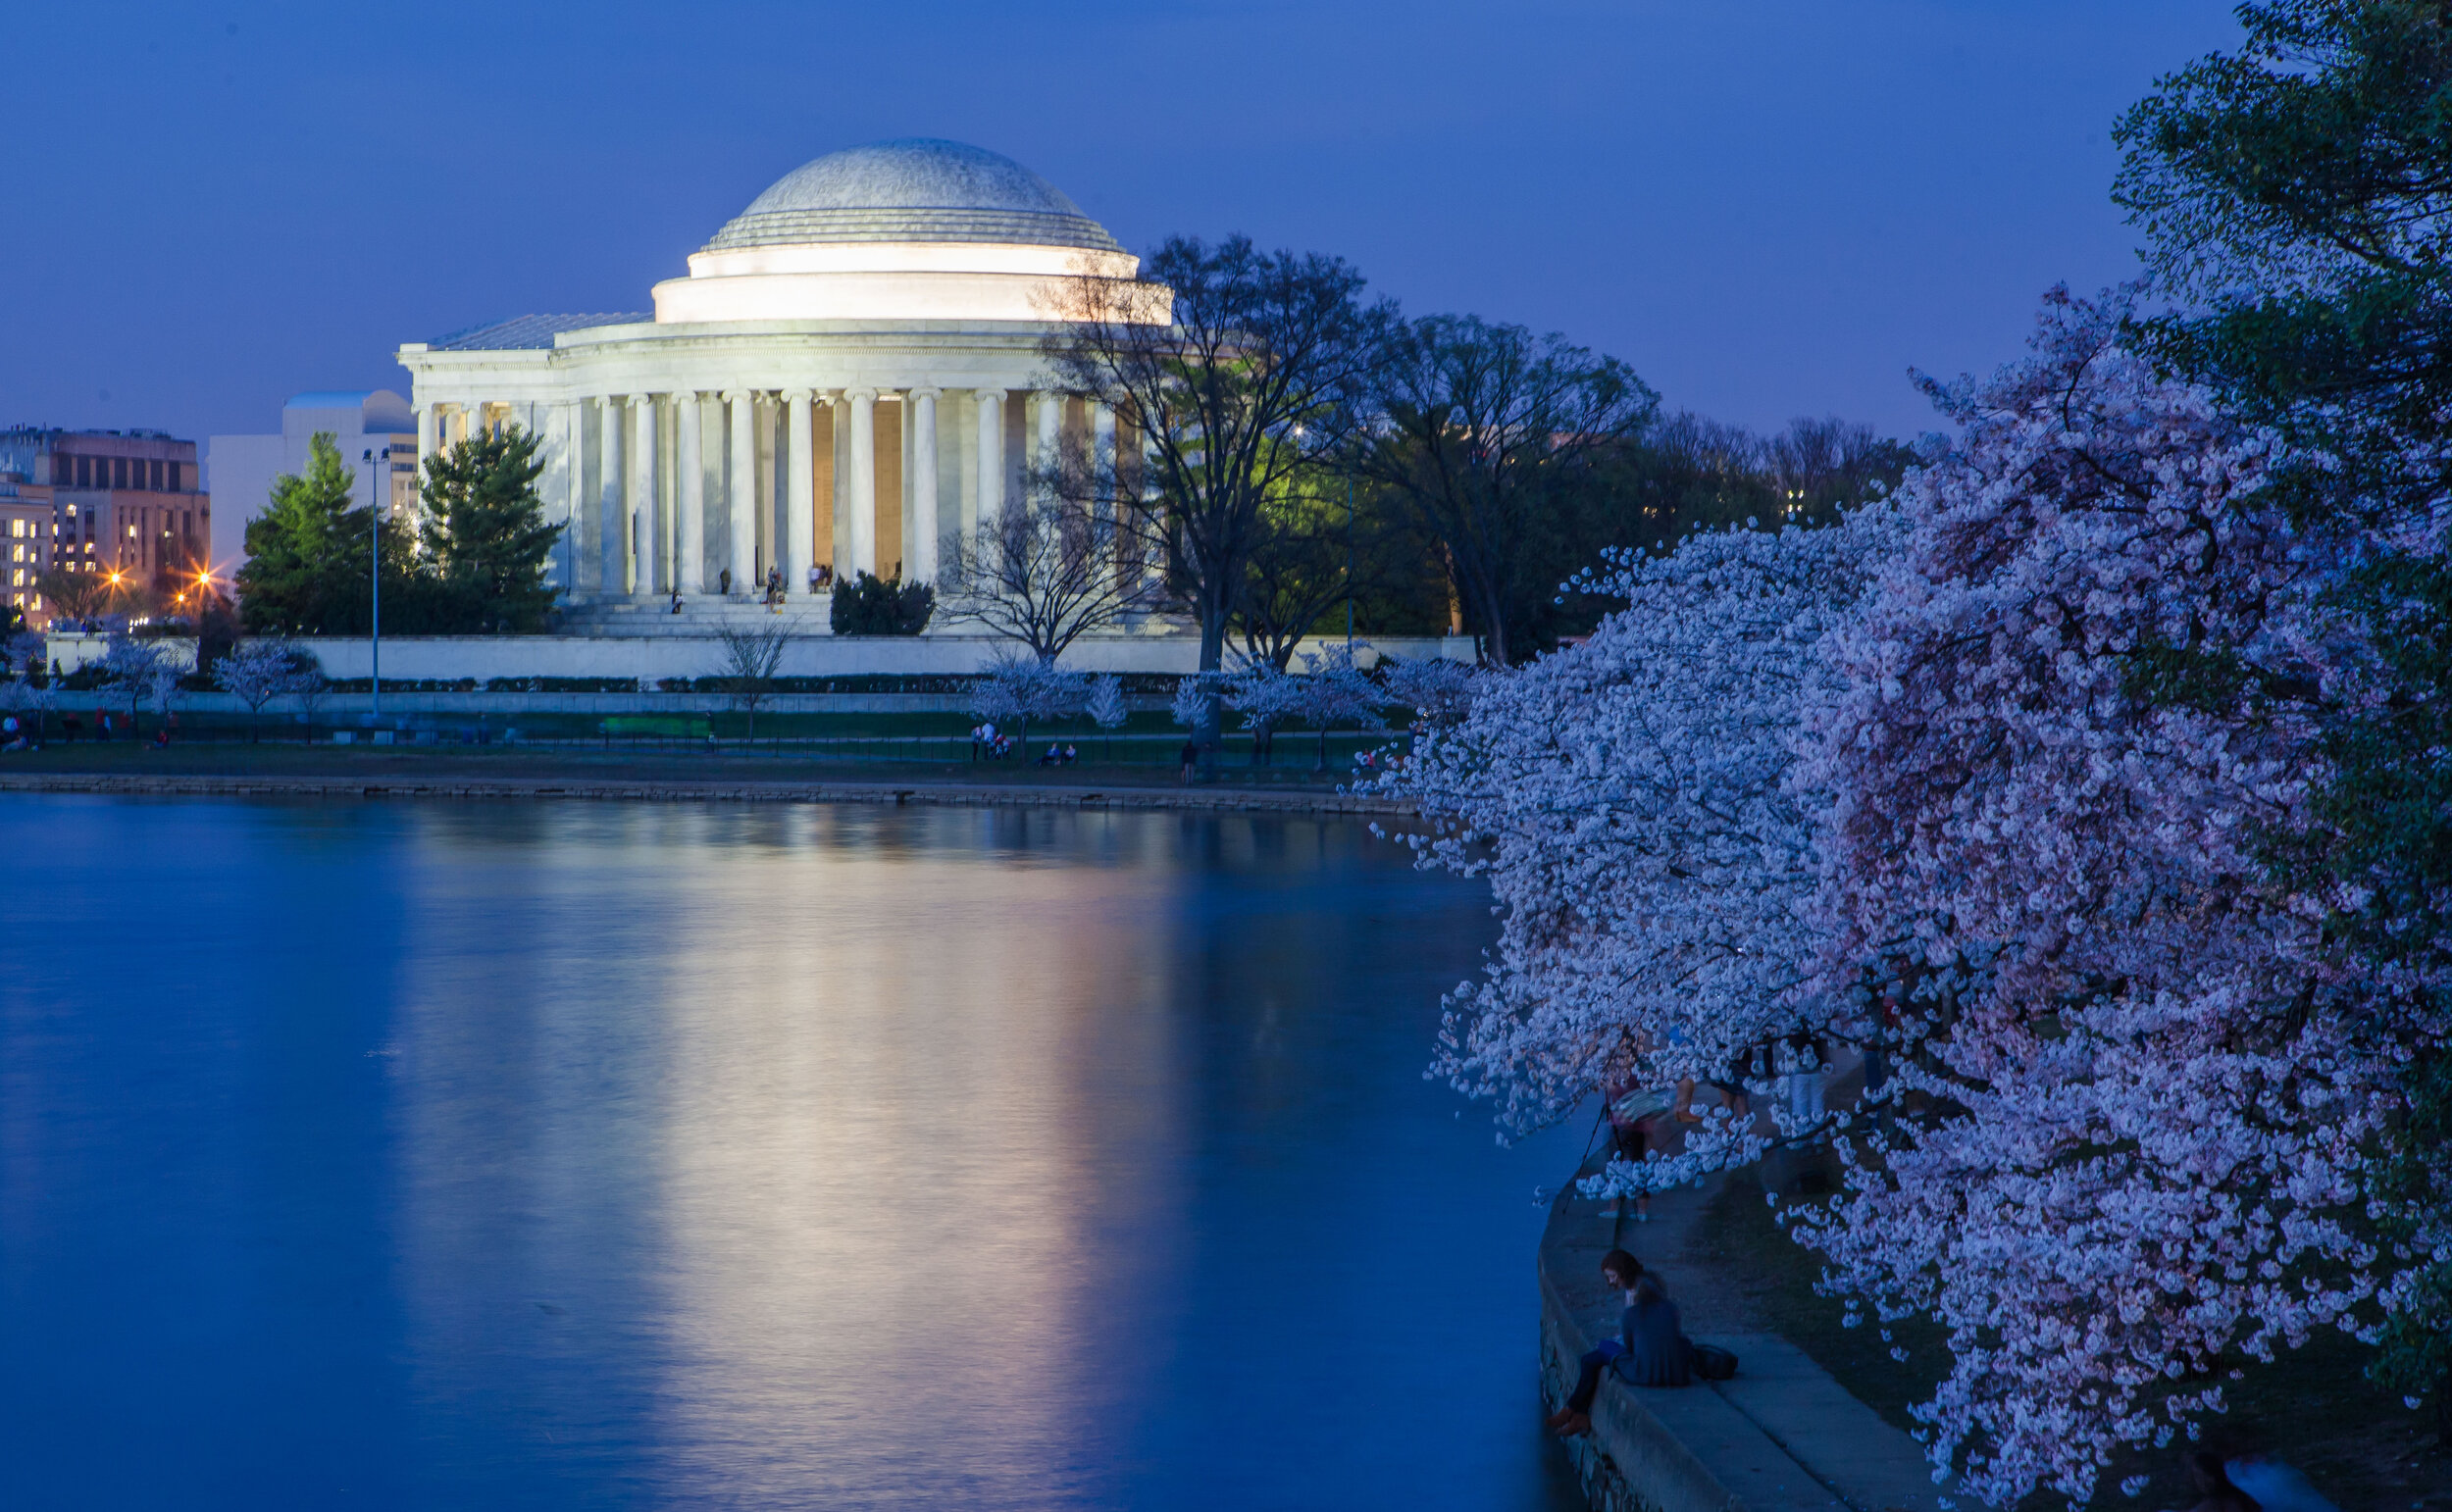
[28, 528]
[242, 468]
[127, 501]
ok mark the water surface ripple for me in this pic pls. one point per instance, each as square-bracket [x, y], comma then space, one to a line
[493, 1156]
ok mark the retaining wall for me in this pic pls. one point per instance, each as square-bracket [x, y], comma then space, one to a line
[449, 656]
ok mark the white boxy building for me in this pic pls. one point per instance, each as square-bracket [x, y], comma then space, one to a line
[240, 469]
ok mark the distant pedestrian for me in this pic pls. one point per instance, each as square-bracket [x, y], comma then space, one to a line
[71, 726]
[724, 582]
[102, 726]
[1191, 759]
[816, 579]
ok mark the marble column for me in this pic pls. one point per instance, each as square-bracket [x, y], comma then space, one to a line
[1102, 453]
[991, 454]
[920, 552]
[574, 419]
[612, 518]
[649, 578]
[740, 494]
[689, 504]
[799, 494]
[1046, 454]
[863, 481]
[472, 419]
[427, 414]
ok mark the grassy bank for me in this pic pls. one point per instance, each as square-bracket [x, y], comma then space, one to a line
[681, 765]
[912, 739]
[2313, 1406]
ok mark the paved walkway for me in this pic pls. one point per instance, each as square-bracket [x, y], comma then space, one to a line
[1783, 1435]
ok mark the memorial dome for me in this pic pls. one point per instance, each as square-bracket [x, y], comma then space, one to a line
[912, 190]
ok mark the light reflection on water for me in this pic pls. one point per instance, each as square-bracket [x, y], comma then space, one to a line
[499, 1156]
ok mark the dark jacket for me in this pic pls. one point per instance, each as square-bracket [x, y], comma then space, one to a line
[1656, 1353]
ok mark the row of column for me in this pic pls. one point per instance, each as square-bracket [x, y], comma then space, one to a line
[641, 546]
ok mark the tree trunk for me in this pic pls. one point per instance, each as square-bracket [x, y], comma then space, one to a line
[1205, 734]
[1492, 630]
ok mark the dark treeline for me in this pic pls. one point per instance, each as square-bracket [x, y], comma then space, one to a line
[1307, 457]
[1307, 460]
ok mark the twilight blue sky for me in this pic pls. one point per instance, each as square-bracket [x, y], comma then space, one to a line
[1770, 207]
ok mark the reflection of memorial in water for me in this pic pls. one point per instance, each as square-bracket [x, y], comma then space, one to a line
[821, 1116]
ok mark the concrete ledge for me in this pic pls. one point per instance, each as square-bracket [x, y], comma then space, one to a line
[1666, 1450]
[1782, 1437]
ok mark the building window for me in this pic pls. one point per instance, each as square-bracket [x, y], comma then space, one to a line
[85, 471]
[176, 469]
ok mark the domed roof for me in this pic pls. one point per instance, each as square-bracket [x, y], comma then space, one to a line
[917, 189]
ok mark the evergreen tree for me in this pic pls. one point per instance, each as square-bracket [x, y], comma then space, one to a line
[2296, 196]
[296, 549]
[486, 535]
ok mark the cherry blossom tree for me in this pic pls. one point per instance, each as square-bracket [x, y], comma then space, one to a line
[1019, 689]
[1439, 691]
[1334, 692]
[255, 674]
[1105, 704]
[1986, 787]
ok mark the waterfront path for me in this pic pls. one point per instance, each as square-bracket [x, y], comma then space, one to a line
[439, 780]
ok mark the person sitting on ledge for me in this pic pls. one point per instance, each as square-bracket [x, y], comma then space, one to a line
[1649, 1351]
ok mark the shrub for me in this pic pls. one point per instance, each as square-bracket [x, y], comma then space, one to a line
[874, 606]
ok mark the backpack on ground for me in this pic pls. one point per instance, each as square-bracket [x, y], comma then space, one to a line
[1712, 1363]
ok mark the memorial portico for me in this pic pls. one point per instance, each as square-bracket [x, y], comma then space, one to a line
[848, 375]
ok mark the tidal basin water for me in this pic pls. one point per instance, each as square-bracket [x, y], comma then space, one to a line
[488, 1156]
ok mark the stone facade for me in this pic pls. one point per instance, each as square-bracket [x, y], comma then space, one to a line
[849, 377]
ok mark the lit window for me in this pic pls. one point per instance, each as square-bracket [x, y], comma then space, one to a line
[17, 577]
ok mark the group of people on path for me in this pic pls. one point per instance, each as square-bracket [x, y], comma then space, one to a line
[16, 734]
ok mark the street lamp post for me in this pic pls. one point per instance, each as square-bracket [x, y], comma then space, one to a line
[375, 575]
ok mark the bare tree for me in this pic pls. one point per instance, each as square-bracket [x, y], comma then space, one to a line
[1487, 435]
[1044, 572]
[749, 662]
[1228, 370]
[1821, 466]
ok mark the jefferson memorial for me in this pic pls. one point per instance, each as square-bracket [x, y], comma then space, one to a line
[848, 375]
